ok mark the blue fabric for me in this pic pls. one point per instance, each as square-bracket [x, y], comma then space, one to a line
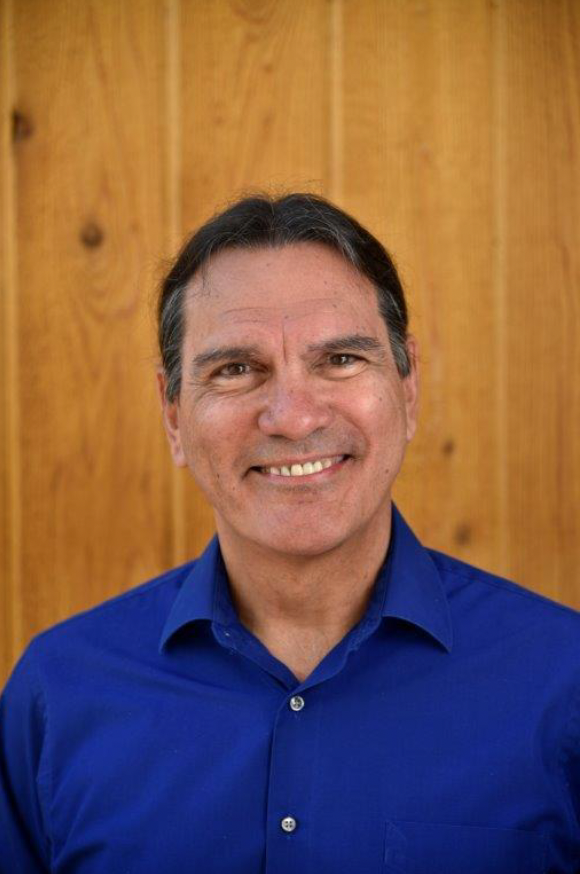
[153, 734]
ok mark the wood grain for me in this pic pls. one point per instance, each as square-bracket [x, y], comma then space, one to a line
[90, 221]
[9, 443]
[539, 45]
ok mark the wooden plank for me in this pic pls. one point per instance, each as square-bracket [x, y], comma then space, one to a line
[255, 114]
[9, 445]
[91, 221]
[418, 169]
[539, 70]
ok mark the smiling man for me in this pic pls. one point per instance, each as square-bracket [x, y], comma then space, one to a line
[317, 692]
[293, 418]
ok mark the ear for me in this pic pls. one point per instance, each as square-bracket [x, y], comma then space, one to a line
[171, 421]
[411, 387]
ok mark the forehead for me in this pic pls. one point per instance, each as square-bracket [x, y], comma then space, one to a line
[299, 289]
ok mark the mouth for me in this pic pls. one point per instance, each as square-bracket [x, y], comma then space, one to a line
[313, 468]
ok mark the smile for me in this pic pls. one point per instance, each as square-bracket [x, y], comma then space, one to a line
[309, 467]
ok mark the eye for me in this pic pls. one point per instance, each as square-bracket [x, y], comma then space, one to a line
[235, 368]
[343, 359]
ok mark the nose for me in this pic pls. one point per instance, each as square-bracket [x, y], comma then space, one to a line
[294, 409]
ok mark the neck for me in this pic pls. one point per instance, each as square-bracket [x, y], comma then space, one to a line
[308, 602]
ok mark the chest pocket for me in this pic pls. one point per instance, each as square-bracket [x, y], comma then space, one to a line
[433, 848]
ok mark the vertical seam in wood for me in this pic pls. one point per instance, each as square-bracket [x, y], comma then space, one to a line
[173, 178]
[10, 343]
[336, 101]
[499, 266]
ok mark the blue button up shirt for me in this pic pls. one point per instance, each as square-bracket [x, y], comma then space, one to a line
[155, 735]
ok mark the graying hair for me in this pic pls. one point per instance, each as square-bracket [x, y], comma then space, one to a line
[262, 221]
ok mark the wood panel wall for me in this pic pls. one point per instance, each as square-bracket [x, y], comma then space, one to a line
[450, 127]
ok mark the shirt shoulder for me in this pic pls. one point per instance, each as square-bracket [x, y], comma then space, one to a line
[130, 621]
[498, 605]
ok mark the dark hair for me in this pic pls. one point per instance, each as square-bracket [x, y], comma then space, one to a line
[262, 221]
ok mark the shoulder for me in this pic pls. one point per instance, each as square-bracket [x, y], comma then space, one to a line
[458, 573]
[122, 625]
[481, 599]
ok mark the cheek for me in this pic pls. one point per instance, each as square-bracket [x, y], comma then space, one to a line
[214, 434]
[382, 415]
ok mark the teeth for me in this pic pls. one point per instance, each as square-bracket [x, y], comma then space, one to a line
[304, 469]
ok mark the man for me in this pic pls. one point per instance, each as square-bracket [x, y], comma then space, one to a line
[318, 692]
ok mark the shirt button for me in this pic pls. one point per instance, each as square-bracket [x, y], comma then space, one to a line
[297, 702]
[288, 823]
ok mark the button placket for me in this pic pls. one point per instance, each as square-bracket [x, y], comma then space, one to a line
[291, 780]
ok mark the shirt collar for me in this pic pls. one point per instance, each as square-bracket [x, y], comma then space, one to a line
[414, 591]
[197, 596]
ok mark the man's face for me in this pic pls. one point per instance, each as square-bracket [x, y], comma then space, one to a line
[286, 361]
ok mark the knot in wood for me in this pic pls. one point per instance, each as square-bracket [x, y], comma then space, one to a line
[91, 235]
[448, 447]
[22, 127]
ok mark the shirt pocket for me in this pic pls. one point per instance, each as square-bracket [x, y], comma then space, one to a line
[435, 848]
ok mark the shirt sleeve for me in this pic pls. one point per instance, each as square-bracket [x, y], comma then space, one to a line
[24, 841]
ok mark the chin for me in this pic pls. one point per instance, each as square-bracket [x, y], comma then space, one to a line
[299, 543]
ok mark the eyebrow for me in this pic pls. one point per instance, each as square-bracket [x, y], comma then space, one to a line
[223, 353]
[360, 342]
